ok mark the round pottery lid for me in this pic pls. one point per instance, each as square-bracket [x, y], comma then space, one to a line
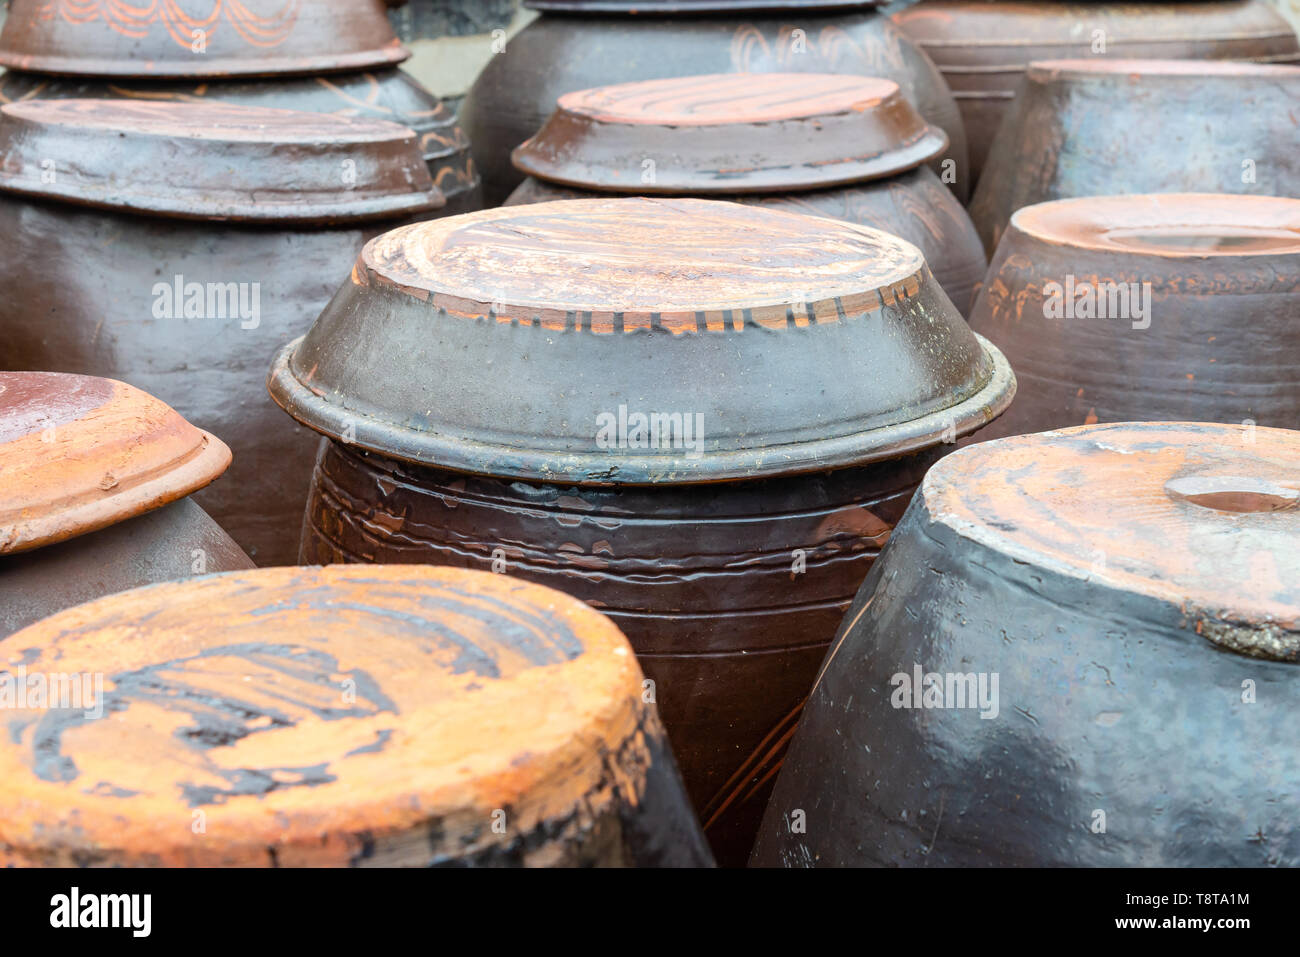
[213, 161]
[694, 6]
[1203, 517]
[78, 453]
[1169, 225]
[639, 341]
[316, 717]
[730, 133]
[210, 38]
[1043, 71]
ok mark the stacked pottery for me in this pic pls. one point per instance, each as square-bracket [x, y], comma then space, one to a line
[847, 147]
[324, 56]
[702, 418]
[1079, 649]
[577, 46]
[983, 47]
[94, 476]
[1105, 127]
[1154, 307]
[340, 717]
[175, 246]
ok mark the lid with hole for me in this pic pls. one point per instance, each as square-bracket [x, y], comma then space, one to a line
[1203, 517]
[213, 161]
[641, 341]
[730, 133]
[319, 716]
[78, 453]
[214, 38]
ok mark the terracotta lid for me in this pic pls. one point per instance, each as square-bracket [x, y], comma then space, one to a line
[1201, 517]
[213, 161]
[319, 717]
[78, 453]
[1168, 225]
[730, 133]
[163, 38]
[526, 341]
[693, 6]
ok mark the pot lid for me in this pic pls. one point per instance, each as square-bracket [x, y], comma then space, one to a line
[213, 161]
[694, 6]
[1168, 225]
[638, 341]
[79, 453]
[317, 712]
[1199, 516]
[731, 133]
[216, 38]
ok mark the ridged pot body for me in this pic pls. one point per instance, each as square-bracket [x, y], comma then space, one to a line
[1217, 342]
[1107, 134]
[387, 94]
[1121, 738]
[168, 544]
[729, 592]
[914, 205]
[982, 48]
[559, 53]
[86, 296]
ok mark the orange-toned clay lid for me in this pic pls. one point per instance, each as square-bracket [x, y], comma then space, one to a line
[315, 716]
[1168, 224]
[730, 133]
[78, 453]
[1204, 517]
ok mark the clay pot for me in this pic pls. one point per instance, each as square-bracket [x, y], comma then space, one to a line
[326, 56]
[175, 246]
[384, 717]
[493, 424]
[561, 52]
[983, 48]
[94, 476]
[1132, 588]
[1141, 308]
[1085, 128]
[847, 147]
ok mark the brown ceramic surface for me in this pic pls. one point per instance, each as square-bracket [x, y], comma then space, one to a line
[79, 453]
[341, 716]
[207, 38]
[983, 47]
[730, 133]
[1151, 307]
[212, 160]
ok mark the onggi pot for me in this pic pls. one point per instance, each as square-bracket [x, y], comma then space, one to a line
[1157, 307]
[575, 47]
[702, 418]
[848, 147]
[363, 717]
[94, 479]
[1103, 127]
[175, 246]
[983, 48]
[1079, 649]
[322, 56]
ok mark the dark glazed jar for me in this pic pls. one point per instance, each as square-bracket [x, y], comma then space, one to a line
[1079, 649]
[94, 476]
[323, 56]
[175, 246]
[632, 400]
[1161, 307]
[847, 147]
[365, 717]
[983, 47]
[1107, 127]
[574, 47]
